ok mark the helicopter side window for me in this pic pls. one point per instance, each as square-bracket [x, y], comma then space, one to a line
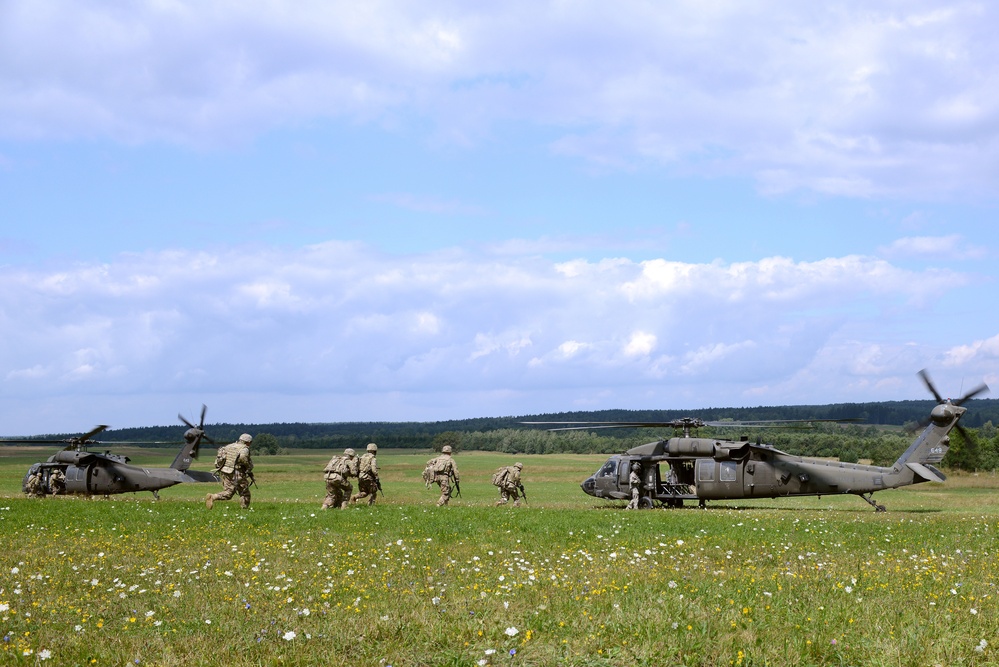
[705, 470]
[727, 471]
[609, 469]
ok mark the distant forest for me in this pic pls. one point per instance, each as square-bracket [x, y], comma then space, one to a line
[886, 430]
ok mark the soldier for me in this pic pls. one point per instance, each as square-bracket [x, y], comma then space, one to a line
[367, 475]
[635, 484]
[507, 479]
[338, 473]
[235, 467]
[34, 486]
[57, 482]
[442, 471]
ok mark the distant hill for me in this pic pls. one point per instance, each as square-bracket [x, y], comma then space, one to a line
[420, 434]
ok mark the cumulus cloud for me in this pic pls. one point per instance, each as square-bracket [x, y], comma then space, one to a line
[980, 351]
[848, 100]
[454, 333]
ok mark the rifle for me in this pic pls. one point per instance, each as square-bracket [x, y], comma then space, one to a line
[253, 480]
[457, 486]
[522, 492]
[378, 484]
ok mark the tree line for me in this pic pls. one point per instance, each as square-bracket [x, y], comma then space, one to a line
[887, 429]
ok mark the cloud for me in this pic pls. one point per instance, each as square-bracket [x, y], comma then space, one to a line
[457, 332]
[979, 351]
[952, 246]
[846, 100]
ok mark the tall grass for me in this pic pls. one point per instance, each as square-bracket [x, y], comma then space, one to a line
[565, 580]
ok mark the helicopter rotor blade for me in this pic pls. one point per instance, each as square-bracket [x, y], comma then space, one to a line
[929, 385]
[201, 423]
[94, 431]
[980, 389]
[189, 424]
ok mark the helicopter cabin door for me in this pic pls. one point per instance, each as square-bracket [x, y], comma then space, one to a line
[718, 479]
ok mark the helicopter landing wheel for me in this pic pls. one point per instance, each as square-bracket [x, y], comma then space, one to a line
[645, 503]
[869, 498]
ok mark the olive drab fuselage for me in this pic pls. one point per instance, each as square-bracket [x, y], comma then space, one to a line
[90, 473]
[700, 469]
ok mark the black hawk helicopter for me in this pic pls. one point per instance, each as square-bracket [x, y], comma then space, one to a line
[700, 469]
[90, 473]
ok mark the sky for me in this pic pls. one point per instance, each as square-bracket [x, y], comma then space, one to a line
[390, 211]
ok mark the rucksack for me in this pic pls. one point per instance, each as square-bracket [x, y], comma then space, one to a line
[500, 476]
[338, 465]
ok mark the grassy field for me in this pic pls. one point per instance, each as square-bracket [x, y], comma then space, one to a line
[565, 580]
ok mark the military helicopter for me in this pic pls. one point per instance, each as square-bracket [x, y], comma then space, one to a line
[686, 468]
[89, 473]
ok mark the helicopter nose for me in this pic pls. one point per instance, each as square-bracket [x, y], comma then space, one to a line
[589, 486]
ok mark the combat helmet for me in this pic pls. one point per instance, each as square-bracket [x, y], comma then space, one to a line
[372, 447]
[518, 465]
[635, 467]
[348, 452]
[246, 437]
[446, 449]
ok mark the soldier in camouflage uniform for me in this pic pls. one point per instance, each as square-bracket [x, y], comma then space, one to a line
[235, 467]
[635, 484]
[57, 482]
[508, 481]
[367, 475]
[338, 473]
[34, 486]
[442, 471]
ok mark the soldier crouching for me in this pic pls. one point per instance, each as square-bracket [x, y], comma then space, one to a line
[338, 472]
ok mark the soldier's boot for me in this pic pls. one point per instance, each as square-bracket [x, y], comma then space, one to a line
[516, 503]
[500, 502]
[353, 498]
[209, 501]
[343, 505]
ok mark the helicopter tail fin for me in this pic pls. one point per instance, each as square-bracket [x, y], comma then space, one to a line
[929, 448]
[188, 452]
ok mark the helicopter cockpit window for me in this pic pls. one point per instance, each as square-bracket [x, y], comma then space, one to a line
[609, 469]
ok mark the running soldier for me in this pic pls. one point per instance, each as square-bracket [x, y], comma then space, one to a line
[442, 471]
[367, 475]
[338, 473]
[507, 479]
[635, 484]
[235, 467]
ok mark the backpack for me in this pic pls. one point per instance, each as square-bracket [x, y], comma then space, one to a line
[442, 465]
[500, 476]
[338, 465]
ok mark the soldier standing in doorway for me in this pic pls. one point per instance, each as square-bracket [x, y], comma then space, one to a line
[635, 484]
